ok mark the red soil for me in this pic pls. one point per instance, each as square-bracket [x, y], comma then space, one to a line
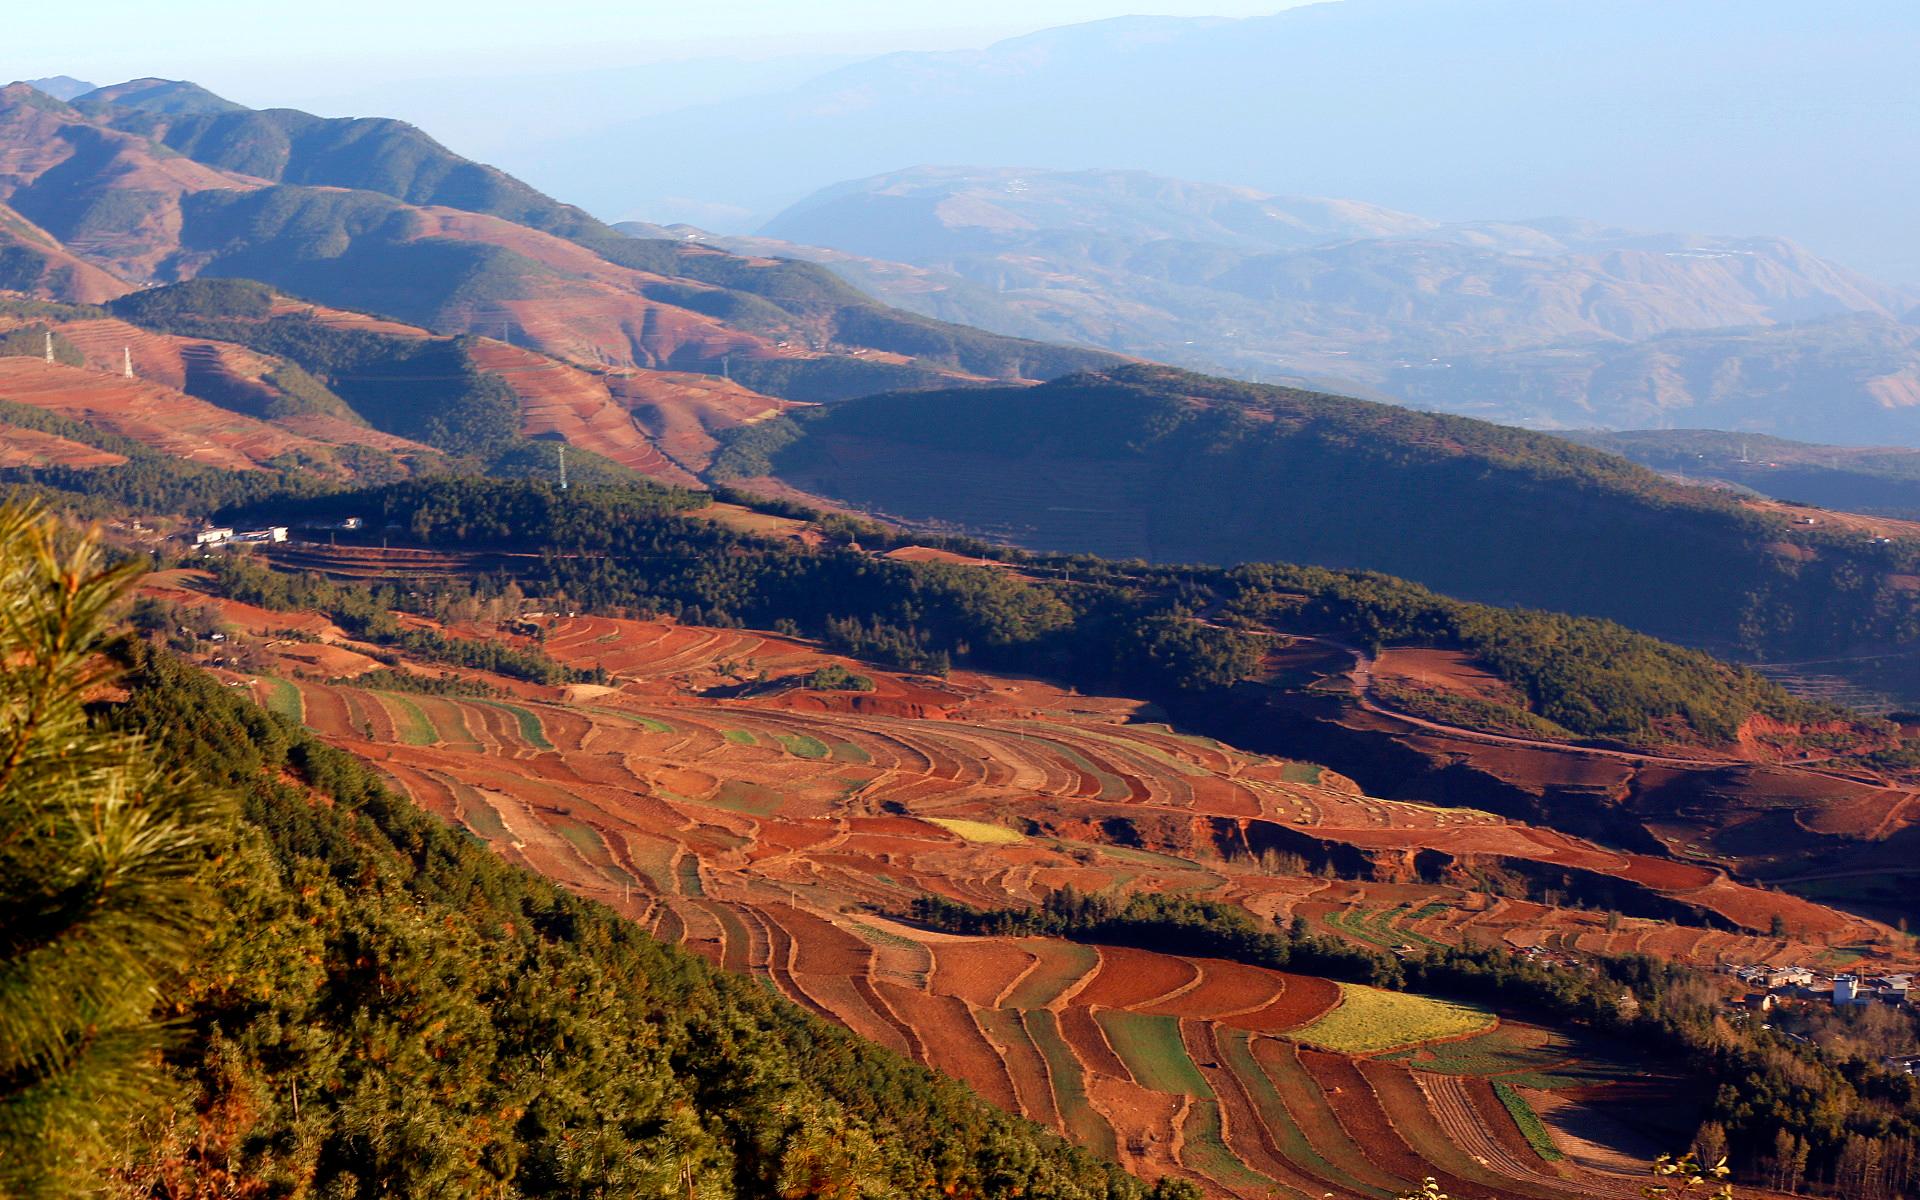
[1305, 998]
[32, 448]
[1226, 990]
[150, 413]
[979, 971]
[1445, 670]
[953, 1041]
[558, 400]
[1131, 978]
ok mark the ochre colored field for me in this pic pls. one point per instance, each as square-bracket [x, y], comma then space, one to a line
[1369, 1020]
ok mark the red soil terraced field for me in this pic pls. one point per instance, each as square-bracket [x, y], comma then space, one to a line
[339, 318]
[559, 400]
[1392, 915]
[32, 448]
[782, 832]
[150, 413]
[685, 414]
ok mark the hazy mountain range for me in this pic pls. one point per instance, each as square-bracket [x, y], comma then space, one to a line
[1738, 116]
[1554, 324]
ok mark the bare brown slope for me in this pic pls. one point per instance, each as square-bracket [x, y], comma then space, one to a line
[559, 400]
[33, 263]
[174, 423]
[687, 414]
[33, 448]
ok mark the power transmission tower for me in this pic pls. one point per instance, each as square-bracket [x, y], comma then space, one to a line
[126, 361]
[563, 466]
[49, 345]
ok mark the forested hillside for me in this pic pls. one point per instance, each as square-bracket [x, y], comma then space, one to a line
[1173, 467]
[1122, 626]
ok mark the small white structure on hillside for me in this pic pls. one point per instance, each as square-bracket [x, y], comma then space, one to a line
[213, 536]
[1845, 989]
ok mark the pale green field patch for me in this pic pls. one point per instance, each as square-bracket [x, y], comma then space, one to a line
[1369, 1019]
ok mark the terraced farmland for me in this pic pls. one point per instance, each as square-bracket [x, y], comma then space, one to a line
[776, 830]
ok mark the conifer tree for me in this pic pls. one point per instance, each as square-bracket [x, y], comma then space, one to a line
[99, 854]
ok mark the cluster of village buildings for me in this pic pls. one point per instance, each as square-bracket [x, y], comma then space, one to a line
[1770, 986]
[225, 535]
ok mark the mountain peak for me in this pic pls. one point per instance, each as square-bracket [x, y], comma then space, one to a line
[166, 96]
[20, 93]
[62, 87]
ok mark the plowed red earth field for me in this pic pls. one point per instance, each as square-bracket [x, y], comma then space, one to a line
[149, 413]
[558, 400]
[32, 448]
[783, 831]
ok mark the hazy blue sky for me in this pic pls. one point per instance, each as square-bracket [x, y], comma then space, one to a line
[253, 50]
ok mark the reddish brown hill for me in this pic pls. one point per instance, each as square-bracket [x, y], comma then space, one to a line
[37, 265]
[558, 400]
[116, 198]
[110, 197]
[686, 413]
[153, 414]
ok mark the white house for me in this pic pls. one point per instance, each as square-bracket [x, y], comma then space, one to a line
[212, 536]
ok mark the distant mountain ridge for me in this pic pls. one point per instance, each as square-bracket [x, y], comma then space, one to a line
[62, 87]
[1552, 323]
[157, 180]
